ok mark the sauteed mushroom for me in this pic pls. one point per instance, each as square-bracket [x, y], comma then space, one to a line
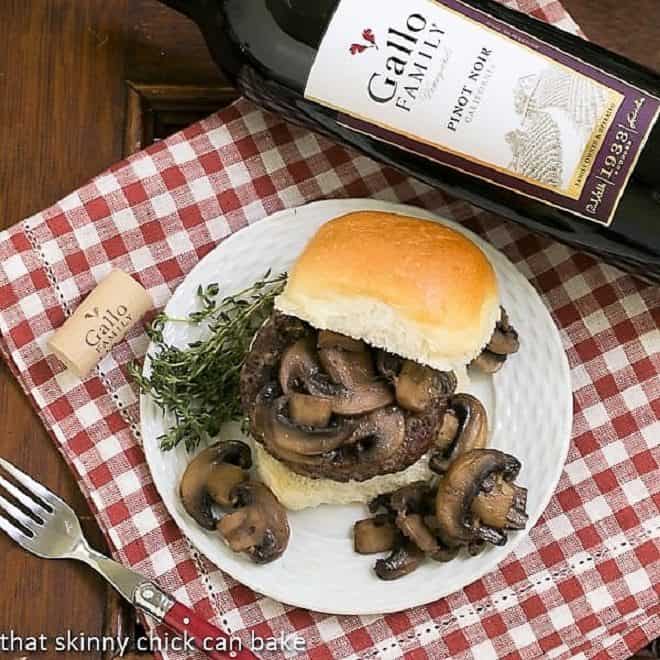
[348, 368]
[363, 399]
[414, 506]
[388, 365]
[379, 434]
[258, 526]
[350, 365]
[464, 427]
[210, 477]
[488, 362]
[459, 504]
[505, 338]
[329, 339]
[377, 534]
[502, 343]
[282, 433]
[501, 504]
[417, 386]
[307, 410]
[300, 369]
[405, 558]
[299, 364]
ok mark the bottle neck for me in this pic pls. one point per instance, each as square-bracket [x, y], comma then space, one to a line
[303, 20]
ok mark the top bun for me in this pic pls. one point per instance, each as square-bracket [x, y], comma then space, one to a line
[413, 287]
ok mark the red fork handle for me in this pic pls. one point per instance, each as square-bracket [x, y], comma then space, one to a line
[212, 641]
[205, 636]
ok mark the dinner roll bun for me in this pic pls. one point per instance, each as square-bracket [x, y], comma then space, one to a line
[296, 491]
[413, 287]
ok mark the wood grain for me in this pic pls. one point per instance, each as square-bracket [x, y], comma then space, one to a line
[64, 105]
[60, 122]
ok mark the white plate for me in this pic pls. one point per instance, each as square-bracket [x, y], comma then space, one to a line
[530, 411]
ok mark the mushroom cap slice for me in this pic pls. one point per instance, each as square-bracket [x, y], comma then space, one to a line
[405, 558]
[416, 497]
[488, 362]
[471, 432]
[377, 534]
[504, 340]
[379, 434]
[258, 526]
[414, 528]
[298, 365]
[459, 488]
[411, 505]
[359, 390]
[501, 506]
[348, 368]
[300, 369]
[447, 432]
[281, 433]
[308, 410]
[418, 386]
[210, 477]
[363, 399]
[330, 339]
[388, 365]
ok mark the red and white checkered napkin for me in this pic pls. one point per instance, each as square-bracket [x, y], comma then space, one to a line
[583, 584]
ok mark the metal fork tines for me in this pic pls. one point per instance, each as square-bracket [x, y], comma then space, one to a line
[46, 526]
[49, 529]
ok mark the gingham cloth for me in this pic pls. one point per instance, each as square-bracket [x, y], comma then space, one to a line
[583, 584]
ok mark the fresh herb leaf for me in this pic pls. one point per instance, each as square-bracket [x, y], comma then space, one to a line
[199, 385]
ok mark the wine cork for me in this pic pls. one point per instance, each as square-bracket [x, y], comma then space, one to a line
[100, 322]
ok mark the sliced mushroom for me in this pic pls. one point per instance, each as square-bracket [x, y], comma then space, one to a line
[282, 433]
[416, 497]
[361, 391]
[348, 368]
[378, 434]
[417, 386]
[388, 365]
[362, 399]
[405, 558]
[488, 362]
[465, 427]
[210, 477]
[501, 505]
[441, 552]
[300, 370]
[298, 365]
[329, 339]
[461, 486]
[258, 526]
[447, 432]
[377, 534]
[504, 340]
[379, 502]
[415, 529]
[411, 504]
[307, 410]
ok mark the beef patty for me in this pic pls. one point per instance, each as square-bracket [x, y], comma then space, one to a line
[260, 388]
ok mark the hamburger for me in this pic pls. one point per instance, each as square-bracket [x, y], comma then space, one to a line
[353, 385]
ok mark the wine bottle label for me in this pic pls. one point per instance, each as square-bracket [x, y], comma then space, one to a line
[451, 83]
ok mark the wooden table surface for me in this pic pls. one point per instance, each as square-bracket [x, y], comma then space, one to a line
[64, 99]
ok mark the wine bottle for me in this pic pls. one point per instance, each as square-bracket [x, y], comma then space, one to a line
[483, 102]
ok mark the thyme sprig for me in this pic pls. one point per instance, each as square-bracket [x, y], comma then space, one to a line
[199, 385]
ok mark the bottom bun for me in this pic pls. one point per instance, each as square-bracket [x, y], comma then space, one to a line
[295, 491]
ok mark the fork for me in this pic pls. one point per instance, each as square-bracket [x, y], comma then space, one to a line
[52, 531]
